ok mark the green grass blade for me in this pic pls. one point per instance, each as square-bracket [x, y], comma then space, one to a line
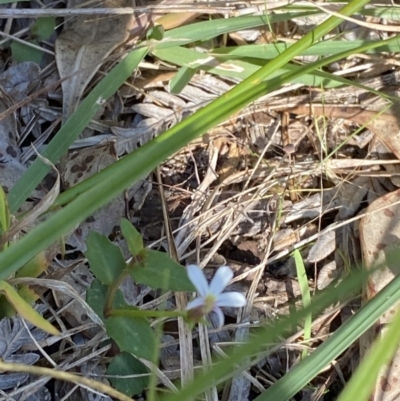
[139, 163]
[181, 79]
[204, 119]
[340, 340]
[364, 379]
[305, 294]
[73, 127]
[243, 68]
[326, 48]
[203, 31]
[373, 10]
[208, 112]
[114, 79]
[300, 376]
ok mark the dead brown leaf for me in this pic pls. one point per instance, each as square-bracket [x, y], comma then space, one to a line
[384, 125]
[84, 44]
[379, 233]
[41, 207]
[81, 164]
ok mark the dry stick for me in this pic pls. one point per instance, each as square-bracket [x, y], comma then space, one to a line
[160, 10]
[16, 34]
[9, 22]
[267, 177]
[370, 25]
[34, 95]
[218, 7]
[185, 334]
[66, 376]
[26, 43]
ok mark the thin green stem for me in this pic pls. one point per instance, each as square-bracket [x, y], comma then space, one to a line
[112, 289]
[146, 313]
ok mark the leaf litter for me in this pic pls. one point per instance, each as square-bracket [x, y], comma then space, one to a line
[227, 193]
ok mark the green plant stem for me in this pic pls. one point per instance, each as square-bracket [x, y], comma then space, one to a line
[146, 313]
[305, 294]
[112, 289]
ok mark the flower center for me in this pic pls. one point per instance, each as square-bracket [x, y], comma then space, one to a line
[209, 303]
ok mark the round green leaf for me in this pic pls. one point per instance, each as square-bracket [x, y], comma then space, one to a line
[160, 271]
[125, 364]
[96, 297]
[43, 28]
[105, 259]
[132, 335]
[156, 32]
[132, 237]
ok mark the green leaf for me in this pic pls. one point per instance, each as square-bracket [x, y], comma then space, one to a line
[206, 30]
[381, 353]
[270, 51]
[132, 237]
[105, 259]
[22, 52]
[72, 128]
[43, 28]
[181, 79]
[305, 294]
[160, 271]
[4, 212]
[96, 298]
[99, 189]
[126, 364]
[25, 310]
[132, 334]
[156, 32]
[242, 67]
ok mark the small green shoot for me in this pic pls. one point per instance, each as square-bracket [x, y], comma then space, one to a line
[305, 294]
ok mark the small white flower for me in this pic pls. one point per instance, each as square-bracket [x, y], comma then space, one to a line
[211, 297]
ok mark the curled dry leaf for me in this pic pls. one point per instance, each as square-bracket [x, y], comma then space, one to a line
[326, 275]
[379, 234]
[37, 210]
[84, 44]
[63, 288]
[81, 164]
[13, 336]
[325, 245]
[11, 168]
[351, 195]
[19, 80]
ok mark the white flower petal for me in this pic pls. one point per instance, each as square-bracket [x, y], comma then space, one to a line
[220, 316]
[220, 280]
[195, 303]
[232, 299]
[198, 279]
